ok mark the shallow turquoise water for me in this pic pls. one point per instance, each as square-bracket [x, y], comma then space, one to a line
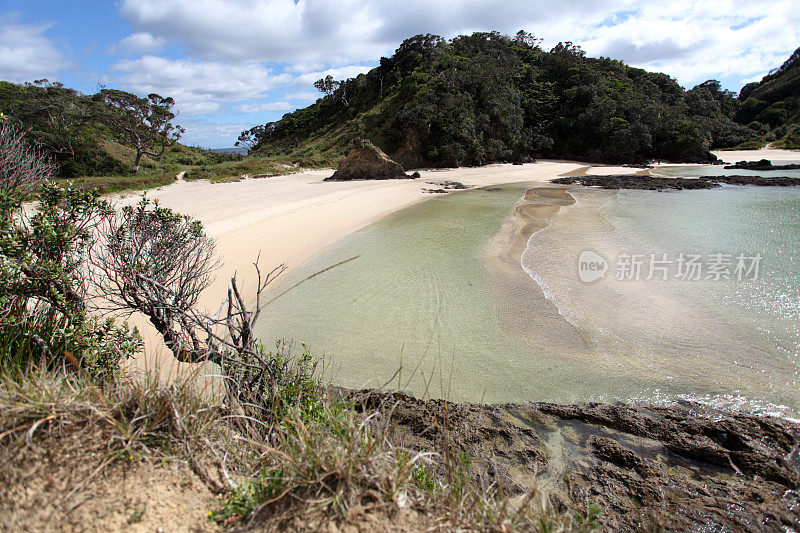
[719, 170]
[418, 297]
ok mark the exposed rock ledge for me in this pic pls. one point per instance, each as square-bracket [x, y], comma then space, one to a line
[686, 467]
[761, 165]
[632, 181]
[368, 162]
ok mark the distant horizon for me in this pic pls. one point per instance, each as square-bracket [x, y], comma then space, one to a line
[231, 66]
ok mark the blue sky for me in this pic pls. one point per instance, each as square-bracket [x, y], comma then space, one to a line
[232, 64]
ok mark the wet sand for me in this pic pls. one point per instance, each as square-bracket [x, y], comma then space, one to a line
[521, 305]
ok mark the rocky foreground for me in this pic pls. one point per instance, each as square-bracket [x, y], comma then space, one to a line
[651, 183]
[686, 467]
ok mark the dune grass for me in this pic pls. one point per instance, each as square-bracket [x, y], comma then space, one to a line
[320, 460]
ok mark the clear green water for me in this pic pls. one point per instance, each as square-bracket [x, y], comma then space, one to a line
[419, 294]
[719, 170]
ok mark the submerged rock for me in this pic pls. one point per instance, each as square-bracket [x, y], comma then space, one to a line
[683, 468]
[445, 186]
[632, 181]
[367, 162]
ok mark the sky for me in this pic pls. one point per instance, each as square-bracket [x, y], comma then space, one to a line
[233, 64]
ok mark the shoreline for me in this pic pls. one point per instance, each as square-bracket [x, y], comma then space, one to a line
[292, 218]
[514, 289]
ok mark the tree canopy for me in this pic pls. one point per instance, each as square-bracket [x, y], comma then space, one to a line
[488, 97]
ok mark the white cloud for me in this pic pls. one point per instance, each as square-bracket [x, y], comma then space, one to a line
[196, 86]
[27, 54]
[311, 34]
[191, 108]
[140, 42]
[304, 96]
[690, 40]
[696, 41]
[282, 105]
[341, 73]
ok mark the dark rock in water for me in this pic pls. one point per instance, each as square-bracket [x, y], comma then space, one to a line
[759, 181]
[684, 468]
[761, 165]
[658, 184]
[415, 175]
[631, 181]
[445, 186]
[367, 162]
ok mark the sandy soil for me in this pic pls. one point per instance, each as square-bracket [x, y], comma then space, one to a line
[514, 289]
[67, 481]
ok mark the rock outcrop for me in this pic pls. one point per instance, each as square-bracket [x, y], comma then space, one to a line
[681, 468]
[692, 154]
[367, 162]
[761, 165]
[632, 181]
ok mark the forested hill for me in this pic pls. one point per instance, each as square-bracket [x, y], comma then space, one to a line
[111, 133]
[775, 103]
[486, 97]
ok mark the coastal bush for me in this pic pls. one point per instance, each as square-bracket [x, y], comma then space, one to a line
[85, 135]
[43, 300]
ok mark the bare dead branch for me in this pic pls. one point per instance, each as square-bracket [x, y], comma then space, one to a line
[22, 164]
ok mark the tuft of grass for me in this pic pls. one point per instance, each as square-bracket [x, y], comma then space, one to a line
[317, 457]
[136, 516]
[142, 418]
[425, 477]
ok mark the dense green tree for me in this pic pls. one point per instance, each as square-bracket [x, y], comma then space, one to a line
[64, 122]
[486, 97]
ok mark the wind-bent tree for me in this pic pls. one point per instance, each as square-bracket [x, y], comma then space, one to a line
[146, 122]
[158, 262]
[327, 85]
[250, 138]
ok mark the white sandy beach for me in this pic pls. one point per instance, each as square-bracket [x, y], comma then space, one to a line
[291, 218]
[774, 155]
